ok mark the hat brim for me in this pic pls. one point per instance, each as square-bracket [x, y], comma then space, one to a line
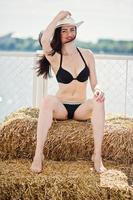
[79, 23]
[75, 24]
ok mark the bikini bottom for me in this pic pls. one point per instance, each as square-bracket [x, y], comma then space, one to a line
[71, 108]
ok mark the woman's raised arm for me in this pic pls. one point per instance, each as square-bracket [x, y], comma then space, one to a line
[49, 31]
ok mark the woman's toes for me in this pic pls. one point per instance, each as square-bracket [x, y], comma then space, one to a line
[98, 165]
[101, 170]
[35, 169]
[36, 166]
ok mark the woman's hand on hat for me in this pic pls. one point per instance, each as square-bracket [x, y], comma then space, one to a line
[62, 14]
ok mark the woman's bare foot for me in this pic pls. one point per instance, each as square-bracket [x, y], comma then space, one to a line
[98, 164]
[36, 166]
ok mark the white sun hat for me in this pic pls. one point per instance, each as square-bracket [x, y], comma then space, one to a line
[68, 21]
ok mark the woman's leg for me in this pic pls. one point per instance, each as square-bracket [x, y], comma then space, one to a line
[50, 108]
[97, 119]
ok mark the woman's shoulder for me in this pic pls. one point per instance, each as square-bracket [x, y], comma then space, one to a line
[86, 51]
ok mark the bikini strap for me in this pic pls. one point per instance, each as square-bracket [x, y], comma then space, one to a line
[81, 56]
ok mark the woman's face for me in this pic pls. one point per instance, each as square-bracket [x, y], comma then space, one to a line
[68, 33]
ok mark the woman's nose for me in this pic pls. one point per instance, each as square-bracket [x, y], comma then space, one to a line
[69, 33]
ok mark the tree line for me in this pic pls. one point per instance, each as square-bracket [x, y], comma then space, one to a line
[102, 46]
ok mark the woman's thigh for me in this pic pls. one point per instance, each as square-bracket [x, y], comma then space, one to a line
[59, 111]
[51, 102]
[84, 111]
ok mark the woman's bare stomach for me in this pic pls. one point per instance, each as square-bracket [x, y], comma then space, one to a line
[71, 97]
[72, 93]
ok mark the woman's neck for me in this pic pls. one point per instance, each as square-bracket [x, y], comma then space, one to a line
[69, 48]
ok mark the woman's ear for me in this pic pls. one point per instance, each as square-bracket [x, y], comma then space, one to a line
[39, 38]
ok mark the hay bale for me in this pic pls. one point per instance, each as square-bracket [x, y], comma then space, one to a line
[17, 138]
[118, 140]
[22, 112]
[68, 180]
[69, 141]
[66, 140]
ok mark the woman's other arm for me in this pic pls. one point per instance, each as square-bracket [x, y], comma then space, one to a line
[93, 76]
[98, 93]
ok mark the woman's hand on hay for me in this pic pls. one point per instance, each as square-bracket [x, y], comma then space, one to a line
[99, 95]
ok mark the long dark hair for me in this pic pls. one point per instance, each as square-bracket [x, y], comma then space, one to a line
[43, 65]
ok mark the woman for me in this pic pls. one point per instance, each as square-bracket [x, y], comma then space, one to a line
[72, 67]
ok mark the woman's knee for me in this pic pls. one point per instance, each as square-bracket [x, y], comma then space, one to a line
[49, 101]
[97, 103]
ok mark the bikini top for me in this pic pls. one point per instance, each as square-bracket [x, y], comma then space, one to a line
[63, 76]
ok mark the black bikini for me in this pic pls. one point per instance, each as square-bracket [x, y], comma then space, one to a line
[71, 109]
[65, 77]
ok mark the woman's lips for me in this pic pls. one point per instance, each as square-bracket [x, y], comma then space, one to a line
[69, 38]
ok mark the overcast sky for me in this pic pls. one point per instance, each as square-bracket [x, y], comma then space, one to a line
[102, 18]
